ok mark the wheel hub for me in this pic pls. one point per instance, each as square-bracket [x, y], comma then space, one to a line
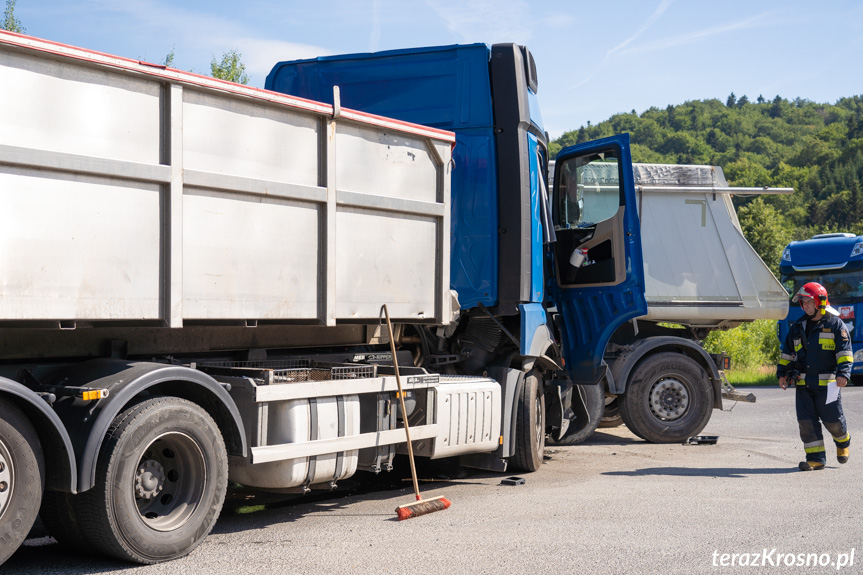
[170, 481]
[669, 399]
[149, 480]
[6, 476]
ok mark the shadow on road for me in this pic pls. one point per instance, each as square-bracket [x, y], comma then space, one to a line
[732, 472]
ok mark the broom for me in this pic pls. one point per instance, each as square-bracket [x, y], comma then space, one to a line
[420, 506]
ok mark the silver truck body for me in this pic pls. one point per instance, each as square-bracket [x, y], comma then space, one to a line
[156, 225]
[138, 195]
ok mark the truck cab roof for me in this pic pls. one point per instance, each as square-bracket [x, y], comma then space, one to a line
[822, 251]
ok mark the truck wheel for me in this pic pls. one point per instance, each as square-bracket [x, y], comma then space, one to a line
[59, 517]
[611, 413]
[587, 405]
[22, 478]
[161, 480]
[668, 399]
[530, 425]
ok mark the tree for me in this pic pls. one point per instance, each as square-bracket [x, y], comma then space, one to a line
[732, 99]
[767, 231]
[230, 68]
[10, 22]
[169, 59]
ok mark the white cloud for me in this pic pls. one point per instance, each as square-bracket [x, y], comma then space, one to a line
[260, 56]
[200, 36]
[376, 26]
[486, 20]
[620, 48]
[692, 37]
[660, 10]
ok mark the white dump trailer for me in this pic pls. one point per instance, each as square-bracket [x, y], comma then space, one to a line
[699, 269]
[191, 285]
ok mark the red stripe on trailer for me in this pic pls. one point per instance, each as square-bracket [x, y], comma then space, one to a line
[161, 71]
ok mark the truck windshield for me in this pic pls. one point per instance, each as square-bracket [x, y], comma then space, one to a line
[589, 189]
[843, 286]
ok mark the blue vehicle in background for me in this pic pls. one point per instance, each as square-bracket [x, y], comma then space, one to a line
[836, 262]
[549, 284]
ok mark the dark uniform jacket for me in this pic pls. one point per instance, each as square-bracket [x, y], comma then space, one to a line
[820, 356]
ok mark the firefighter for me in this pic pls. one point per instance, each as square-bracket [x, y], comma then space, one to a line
[816, 353]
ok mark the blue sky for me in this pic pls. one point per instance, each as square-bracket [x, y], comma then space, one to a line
[594, 59]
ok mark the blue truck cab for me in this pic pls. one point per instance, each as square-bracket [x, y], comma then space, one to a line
[512, 240]
[836, 262]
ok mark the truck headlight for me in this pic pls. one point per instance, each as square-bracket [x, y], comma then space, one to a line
[786, 255]
[856, 251]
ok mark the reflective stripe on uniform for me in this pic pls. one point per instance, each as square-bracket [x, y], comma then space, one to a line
[844, 356]
[842, 439]
[814, 447]
[826, 335]
[784, 361]
[826, 378]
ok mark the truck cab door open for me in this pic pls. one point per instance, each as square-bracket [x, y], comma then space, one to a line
[599, 276]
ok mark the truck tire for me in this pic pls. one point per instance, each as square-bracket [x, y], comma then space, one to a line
[611, 414]
[59, 517]
[22, 478]
[588, 411]
[530, 424]
[668, 399]
[161, 479]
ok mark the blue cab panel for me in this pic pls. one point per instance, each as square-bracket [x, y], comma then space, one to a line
[443, 87]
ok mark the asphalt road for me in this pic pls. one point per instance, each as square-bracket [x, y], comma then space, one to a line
[614, 505]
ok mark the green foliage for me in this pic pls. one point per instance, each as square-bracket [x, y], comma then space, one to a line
[169, 59]
[767, 231]
[10, 22]
[230, 68]
[749, 376]
[749, 346]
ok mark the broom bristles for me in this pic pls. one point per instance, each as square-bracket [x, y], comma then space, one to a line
[422, 507]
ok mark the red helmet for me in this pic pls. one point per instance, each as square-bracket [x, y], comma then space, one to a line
[814, 290]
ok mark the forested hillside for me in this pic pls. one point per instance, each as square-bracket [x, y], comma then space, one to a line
[815, 148]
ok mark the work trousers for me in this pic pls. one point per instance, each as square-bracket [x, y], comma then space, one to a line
[812, 411]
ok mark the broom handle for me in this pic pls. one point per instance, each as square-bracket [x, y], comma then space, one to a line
[402, 400]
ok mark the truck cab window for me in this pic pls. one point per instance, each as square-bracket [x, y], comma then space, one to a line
[845, 286]
[588, 217]
[589, 190]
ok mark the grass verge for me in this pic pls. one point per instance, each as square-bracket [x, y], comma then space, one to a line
[750, 376]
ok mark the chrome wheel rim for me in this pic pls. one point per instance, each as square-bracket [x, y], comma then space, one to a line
[669, 399]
